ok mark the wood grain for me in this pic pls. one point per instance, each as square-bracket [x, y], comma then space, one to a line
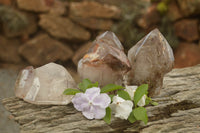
[178, 111]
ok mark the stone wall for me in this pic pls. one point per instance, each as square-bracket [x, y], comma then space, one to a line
[35, 32]
[184, 18]
[50, 30]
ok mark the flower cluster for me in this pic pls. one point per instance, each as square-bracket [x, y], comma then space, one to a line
[95, 103]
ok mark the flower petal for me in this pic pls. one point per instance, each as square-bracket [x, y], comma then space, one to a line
[131, 90]
[103, 100]
[98, 112]
[80, 101]
[92, 103]
[113, 108]
[124, 109]
[92, 92]
[142, 101]
[117, 99]
[88, 113]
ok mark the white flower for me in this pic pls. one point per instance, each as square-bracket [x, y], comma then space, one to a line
[122, 108]
[131, 91]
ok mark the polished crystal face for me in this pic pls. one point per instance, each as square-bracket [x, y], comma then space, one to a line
[151, 58]
[44, 85]
[105, 62]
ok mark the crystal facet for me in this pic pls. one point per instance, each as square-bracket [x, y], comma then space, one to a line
[105, 62]
[44, 85]
[151, 58]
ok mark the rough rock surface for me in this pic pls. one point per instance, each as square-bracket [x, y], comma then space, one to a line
[173, 12]
[151, 58]
[187, 29]
[93, 23]
[81, 52]
[187, 54]
[178, 111]
[64, 28]
[59, 8]
[43, 49]
[105, 62]
[44, 85]
[34, 5]
[9, 50]
[29, 26]
[150, 18]
[189, 7]
[6, 2]
[94, 9]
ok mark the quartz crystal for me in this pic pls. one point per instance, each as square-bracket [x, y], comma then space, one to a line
[105, 62]
[44, 85]
[151, 58]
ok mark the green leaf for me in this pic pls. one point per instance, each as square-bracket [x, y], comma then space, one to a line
[111, 97]
[131, 118]
[107, 117]
[140, 91]
[154, 103]
[123, 94]
[86, 83]
[111, 87]
[148, 100]
[70, 91]
[140, 113]
[93, 85]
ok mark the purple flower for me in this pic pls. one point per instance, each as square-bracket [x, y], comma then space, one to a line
[92, 103]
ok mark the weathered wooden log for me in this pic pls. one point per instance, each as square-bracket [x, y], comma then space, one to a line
[178, 111]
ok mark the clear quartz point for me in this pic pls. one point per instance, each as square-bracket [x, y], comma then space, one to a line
[105, 62]
[44, 85]
[151, 58]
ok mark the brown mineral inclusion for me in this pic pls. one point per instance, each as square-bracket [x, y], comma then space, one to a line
[105, 62]
[151, 58]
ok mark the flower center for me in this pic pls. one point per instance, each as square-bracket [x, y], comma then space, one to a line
[90, 103]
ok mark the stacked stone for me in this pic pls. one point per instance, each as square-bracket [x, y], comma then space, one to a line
[54, 30]
[184, 16]
[187, 28]
[70, 27]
